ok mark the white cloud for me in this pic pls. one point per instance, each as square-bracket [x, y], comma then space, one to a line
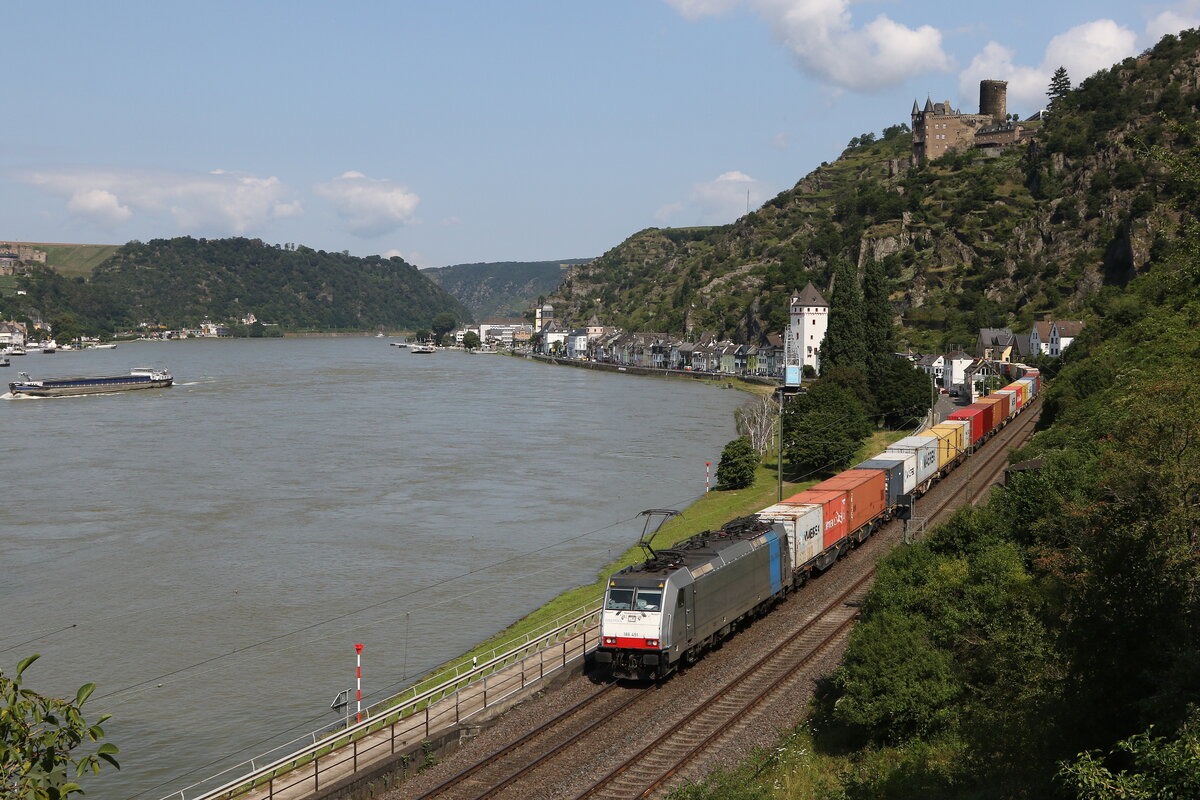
[825, 42]
[1083, 50]
[100, 205]
[1183, 16]
[371, 206]
[780, 141]
[219, 201]
[717, 202]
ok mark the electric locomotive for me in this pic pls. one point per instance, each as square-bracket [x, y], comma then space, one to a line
[680, 602]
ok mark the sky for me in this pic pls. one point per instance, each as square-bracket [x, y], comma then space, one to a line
[458, 131]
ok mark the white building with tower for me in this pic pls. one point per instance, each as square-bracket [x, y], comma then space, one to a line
[806, 329]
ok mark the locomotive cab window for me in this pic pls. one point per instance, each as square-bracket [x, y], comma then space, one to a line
[619, 600]
[648, 600]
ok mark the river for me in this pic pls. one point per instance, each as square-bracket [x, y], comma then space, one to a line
[210, 553]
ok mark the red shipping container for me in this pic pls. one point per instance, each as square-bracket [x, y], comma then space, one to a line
[836, 512]
[976, 417]
[868, 494]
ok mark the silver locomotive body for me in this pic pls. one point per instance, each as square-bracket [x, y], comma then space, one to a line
[668, 610]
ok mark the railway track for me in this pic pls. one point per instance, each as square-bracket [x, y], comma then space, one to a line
[562, 751]
[719, 714]
[502, 768]
[654, 765]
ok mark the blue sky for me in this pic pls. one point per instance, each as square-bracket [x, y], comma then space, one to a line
[451, 131]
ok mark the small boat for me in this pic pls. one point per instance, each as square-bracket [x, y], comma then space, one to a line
[143, 378]
[3, 361]
[103, 347]
[422, 348]
[14, 350]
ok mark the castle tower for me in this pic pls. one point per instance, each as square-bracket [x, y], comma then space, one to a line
[806, 330]
[993, 100]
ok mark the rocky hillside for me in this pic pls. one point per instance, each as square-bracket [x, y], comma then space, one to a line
[501, 289]
[967, 241]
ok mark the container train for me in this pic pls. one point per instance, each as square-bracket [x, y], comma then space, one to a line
[667, 611]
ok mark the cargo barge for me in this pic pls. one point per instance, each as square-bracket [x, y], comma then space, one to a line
[67, 387]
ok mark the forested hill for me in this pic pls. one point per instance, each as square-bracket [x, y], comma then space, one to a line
[967, 241]
[504, 288]
[179, 282]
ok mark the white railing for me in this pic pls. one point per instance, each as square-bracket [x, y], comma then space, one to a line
[409, 718]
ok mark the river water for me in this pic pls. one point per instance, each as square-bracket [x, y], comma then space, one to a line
[210, 553]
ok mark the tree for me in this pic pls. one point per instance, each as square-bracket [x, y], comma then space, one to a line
[422, 335]
[66, 328]
[1162, 767]
[844, 344]
[739, 461]
[1060, 84]
[878, 320]
[902, 392]
[823, 429]
[38, 736]
[756, 421]
[471, 340]
[442, 324]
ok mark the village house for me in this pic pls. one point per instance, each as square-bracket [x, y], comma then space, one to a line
[13, 334]
[1062, 333]
[995, 344]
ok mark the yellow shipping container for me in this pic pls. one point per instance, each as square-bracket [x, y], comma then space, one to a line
[952, 440]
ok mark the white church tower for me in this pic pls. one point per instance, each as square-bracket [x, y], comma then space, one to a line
[806, 329]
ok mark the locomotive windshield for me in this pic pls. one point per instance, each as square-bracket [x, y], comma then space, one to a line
[619, 600]
[626, 600]
[648, 600]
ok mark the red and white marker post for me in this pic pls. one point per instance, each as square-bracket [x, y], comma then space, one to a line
[358, 681]
[707, 464]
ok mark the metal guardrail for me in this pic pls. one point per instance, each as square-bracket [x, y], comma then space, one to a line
[409, 718]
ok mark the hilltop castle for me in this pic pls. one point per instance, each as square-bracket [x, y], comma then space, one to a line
[939, 129]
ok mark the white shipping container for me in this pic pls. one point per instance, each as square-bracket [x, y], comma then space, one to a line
[909, 470]
[803, 526]
[925, 448]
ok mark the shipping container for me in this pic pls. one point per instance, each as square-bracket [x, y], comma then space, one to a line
[803, 527]
[835, 513]
[901, 474]
[975, 417]
[1022, 390]
[1013, 401]
[951, 441]
[867, 490]
[925, 449]
[994, 406]
[1030, 388]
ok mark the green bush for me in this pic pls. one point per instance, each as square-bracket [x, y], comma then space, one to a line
[738, 463]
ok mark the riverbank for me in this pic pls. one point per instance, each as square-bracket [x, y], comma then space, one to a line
[753, 380]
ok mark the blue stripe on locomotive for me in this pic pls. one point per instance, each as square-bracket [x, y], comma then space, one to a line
[776, 562]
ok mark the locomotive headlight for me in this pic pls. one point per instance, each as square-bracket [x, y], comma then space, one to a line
[652, 642]
[610, 640]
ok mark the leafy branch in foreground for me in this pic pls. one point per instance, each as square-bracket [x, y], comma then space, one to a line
[38, 736]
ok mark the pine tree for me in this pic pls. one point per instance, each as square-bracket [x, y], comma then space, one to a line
[1060, 84]
[878, 322]
[845, 344]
